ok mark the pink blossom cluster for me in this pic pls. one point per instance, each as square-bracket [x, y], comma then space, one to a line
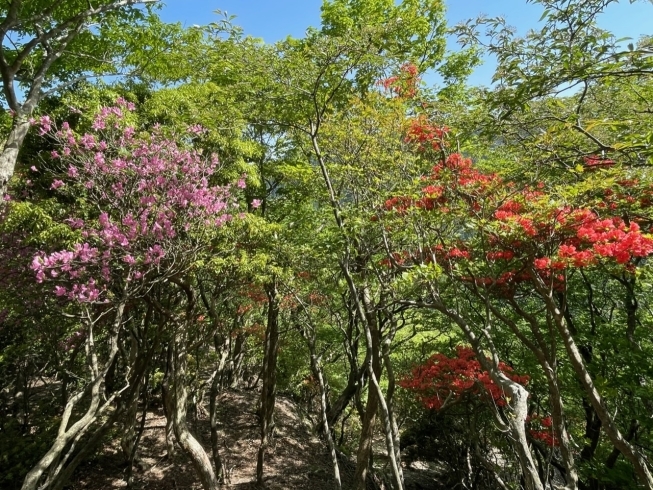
[154, 204]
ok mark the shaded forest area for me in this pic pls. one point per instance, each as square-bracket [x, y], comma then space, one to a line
[225, 263]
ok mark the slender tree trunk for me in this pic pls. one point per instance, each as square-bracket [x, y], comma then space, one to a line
[168, 403]
[364, 454]
[341, 403]
[179, 392]
[373, 339]
[612, 431]
[222, 344]
[268, 392]
[560, 430]
[138, 434]
[392, 419]
[213, 418]
[129, 423]
[545, 354]
[59, 478]
[614, 434]
[517, 423]
[318, 374]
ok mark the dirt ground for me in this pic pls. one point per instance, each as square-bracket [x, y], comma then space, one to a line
[296, 460]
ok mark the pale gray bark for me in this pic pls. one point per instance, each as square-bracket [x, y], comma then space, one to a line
[10, 150]
[94, 389]
[578, 364]
[179, 394]
[516, 394]
[545, 354]
[373, 345]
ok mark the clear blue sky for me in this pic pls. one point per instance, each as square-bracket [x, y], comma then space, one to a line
[273, 20]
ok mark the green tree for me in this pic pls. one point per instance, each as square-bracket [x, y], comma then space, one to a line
[45, 45]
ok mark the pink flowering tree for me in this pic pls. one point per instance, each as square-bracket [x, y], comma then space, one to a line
[148, 208]
[144, 209]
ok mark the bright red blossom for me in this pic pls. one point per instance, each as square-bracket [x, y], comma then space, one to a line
[442, 377]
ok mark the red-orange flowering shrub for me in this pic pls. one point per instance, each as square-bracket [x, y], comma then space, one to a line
[442, 378]
[523, 230]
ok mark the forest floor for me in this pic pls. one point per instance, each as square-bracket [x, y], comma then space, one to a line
[296, 460]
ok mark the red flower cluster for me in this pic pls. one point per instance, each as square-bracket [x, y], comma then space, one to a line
[525, 231]
[500, 255]
[399, 204]
[405, 83]
[586, 238]
[462, 174]
[593, 162]
[442, 377]
[426, 134]
[541, 429]
[581, 236]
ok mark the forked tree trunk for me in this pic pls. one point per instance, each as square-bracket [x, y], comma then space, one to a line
[73, 433]
[516, 394]
[389, 399]
[316, 368]
[607, 421]
[578, 364]
[545, 354]
[364, 454]
[373, 341]
[59, 478]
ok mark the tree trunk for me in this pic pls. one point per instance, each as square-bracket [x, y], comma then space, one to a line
[392, 419]
[268, 392]
[372, 336]
[373, 344]
[364, 452]
[66, 434]
[316, 368]
[138, 434]
[213, 418]
[636, 459]
[545, 355]
[168, 403]
[9, 155]
[343, 400]
[222, 344]
[59, 478]
[607, 421]
[129, 424]
[179, 393]
[517, 395]
[517, 423]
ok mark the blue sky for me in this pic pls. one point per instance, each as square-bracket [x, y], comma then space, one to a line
[273, 20]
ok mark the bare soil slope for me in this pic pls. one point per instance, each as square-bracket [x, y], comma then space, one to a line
[296, 460]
